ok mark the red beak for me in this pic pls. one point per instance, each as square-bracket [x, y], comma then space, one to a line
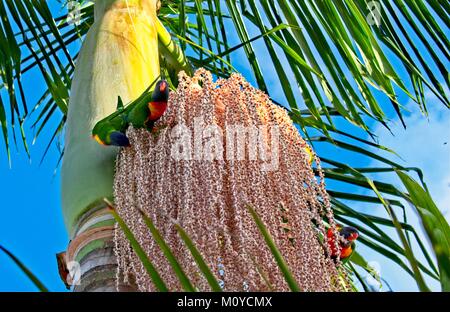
[162, 87]
[353, 236]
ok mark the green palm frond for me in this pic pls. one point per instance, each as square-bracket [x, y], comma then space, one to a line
[436, 227]
[340, 58]
[288, 276]
[146, 262]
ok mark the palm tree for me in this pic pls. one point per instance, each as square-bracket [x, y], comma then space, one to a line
[337, 63]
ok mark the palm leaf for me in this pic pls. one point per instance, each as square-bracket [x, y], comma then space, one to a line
[314, 26]
[184, 280]
[25, 270]
[146, 262]
[206, 271]
[436, 227]
[290, 280]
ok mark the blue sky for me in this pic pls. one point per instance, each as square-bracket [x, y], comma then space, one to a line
[31, 223]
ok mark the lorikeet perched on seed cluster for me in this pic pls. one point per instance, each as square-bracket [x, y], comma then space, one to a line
[141, 113]
[347, 238]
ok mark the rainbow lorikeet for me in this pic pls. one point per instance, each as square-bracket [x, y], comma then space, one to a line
[346, 241]
[141, 113]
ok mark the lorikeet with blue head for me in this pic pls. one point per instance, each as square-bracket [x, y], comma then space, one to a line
[141, 113]
[346, 241]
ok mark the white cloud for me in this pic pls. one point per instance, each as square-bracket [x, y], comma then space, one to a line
[425, 144]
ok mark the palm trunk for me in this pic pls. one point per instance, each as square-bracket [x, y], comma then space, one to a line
[119, 57]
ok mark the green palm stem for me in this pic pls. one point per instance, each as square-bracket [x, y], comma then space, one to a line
[172, 54]
[119, 57]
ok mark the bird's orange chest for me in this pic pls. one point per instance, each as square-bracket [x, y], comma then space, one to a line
[346, 252]
[156, 109]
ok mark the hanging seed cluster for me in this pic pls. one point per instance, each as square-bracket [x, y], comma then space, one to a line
[203, 188]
